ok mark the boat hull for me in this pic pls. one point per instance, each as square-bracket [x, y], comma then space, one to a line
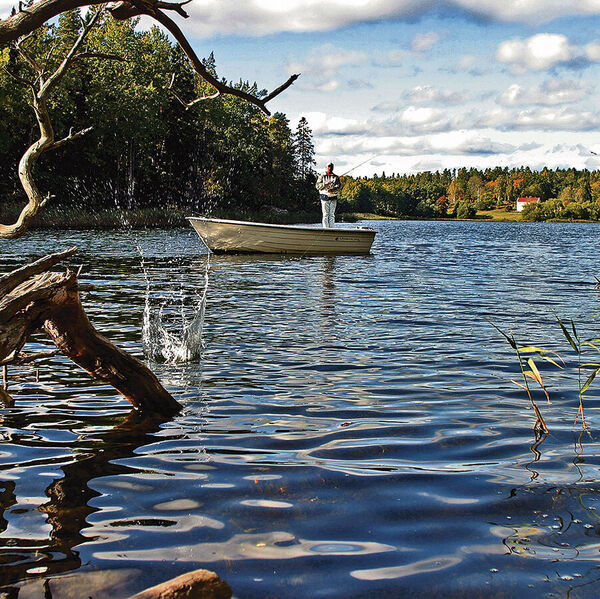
[230, 236]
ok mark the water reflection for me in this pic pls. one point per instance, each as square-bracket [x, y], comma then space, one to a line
[328, 299]
[69, 497]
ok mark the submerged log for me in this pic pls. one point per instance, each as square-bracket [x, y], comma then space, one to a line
[31, 298]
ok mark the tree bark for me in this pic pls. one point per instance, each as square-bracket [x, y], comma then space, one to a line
[34, 299]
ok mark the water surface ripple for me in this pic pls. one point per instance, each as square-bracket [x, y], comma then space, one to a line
[349, 430]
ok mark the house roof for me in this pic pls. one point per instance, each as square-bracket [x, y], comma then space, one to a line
[528, 199]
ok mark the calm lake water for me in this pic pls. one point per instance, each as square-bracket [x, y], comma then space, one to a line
[349, 430]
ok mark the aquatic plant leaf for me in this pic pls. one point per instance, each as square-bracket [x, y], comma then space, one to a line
[530, 349]
[589, 381]
[510, 338]
[534, 368]
[542, 354]
[536, 376]
[590, 344]
[568, 335]
[519, 384]
[574, 330]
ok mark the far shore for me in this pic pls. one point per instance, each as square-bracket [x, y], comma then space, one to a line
[171, 217]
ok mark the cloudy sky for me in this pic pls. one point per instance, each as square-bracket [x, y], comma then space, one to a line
[420, 84]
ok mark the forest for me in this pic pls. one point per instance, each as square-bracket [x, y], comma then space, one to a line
[150, 146]
[565, 194]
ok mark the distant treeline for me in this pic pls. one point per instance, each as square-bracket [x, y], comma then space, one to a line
[147, 149]
[564, 193]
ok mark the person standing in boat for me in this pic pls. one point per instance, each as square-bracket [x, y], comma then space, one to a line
[328, 184]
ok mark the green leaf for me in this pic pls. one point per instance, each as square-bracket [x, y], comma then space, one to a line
[591, 345]
[535, 370]
[567, 335]
[532, 375]
[510, 339]
[574, 331]
[589, 381]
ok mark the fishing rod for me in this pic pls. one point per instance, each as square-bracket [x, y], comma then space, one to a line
[364, 162]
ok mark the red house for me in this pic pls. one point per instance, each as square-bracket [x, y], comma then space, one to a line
[522, 202]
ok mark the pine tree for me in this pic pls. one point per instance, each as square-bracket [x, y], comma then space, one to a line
[304, 150]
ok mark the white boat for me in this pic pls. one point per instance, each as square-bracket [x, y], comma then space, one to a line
[237, 236]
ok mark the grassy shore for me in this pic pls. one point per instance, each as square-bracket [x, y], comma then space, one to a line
[499, 215]
[170, 217]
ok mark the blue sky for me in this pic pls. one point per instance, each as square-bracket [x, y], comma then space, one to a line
[420, 84]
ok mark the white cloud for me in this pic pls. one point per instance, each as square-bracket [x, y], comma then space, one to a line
[464, 144]
[426, 94]
[469, 63]
[392, 58]
[537, 53]
[543, 118]
[592, 51]
[551, 119]
[550, 93]
[321, 124]
[417, 121]
[424, 41]
[320, 70]
[262, 17]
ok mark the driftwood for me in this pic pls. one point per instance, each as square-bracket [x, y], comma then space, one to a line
[31, 298]
[199, 584]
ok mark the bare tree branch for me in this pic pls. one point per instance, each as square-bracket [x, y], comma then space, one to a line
[281, 88]
[221, 87]
[35, 16]
[34, 64]
[69, 138]
[176, 6]
[46, 141]
[193, 102]
[20, 79]
[56, 77]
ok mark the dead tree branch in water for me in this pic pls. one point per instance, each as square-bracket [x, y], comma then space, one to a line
[32, 298]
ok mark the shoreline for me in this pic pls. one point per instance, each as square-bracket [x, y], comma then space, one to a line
[171, 218]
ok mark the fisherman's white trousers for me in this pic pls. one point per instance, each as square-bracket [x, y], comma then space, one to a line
[328, 207]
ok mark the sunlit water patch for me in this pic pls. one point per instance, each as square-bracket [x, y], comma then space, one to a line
[350, 428]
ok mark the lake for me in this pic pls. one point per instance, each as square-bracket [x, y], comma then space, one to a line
[350, 426]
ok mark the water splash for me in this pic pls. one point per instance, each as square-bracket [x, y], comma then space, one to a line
[172, 329]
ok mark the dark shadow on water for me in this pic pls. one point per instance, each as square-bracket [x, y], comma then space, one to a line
[68, 506]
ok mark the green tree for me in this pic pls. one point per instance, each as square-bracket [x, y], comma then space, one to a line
[304, 150]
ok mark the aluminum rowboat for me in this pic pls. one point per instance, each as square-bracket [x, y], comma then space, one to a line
[234, 236]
